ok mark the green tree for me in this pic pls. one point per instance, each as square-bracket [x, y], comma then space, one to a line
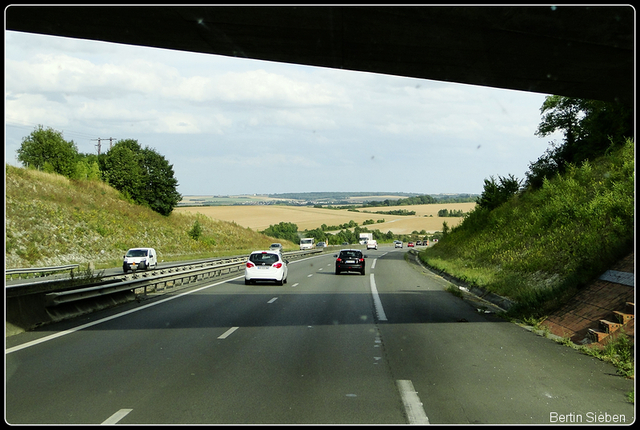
[590, 128]
[94, 173]
[143, 174]
[47, 146]
[495, 193]
[81, 170]
[122, 169]
[159, 185]
[283, 230]
[196, 231]
[443, 212]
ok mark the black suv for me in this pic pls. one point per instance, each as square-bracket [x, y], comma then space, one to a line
[350, 260]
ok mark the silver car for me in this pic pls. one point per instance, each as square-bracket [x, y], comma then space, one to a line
[266, 266]
[276, 247]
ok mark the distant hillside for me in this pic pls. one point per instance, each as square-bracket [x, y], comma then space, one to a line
[360, 197]
[51, 220]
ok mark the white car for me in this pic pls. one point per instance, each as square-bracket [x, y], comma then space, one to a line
[266, 266]
[398, 243]
[372, 244]
[140, 258]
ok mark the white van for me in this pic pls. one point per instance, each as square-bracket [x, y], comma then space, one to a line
[306, 243]
[140, 258]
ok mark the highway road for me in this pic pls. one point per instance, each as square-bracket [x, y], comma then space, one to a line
[389, 347]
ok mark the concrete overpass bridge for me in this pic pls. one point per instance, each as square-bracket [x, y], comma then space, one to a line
[576, 51]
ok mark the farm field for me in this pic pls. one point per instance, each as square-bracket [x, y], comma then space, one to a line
[260, 217]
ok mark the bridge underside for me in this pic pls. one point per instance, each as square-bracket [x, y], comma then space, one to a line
[576, 51]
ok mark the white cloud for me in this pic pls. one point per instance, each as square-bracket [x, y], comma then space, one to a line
[247, 117]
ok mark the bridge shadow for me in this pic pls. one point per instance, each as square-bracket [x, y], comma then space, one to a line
[299, 308]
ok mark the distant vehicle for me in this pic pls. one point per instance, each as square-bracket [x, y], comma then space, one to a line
[398, 243]
[306, 243]
[266, 266]
[321, 245]
[276, 247]
[425, 243]
[140, 258]
[365, 237]
[345, 243]
[410, 245]
[418, 243]
[372, 244]
[350, 260]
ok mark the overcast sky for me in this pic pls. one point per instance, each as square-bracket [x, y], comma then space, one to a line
[236, 126]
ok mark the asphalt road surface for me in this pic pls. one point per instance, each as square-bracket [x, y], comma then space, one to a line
[389, 347]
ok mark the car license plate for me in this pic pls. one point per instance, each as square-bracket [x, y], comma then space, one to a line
[350, 261]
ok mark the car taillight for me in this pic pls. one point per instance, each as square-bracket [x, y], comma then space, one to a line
[339, 260]
[250, 264]
[362, 260]
[277, 265]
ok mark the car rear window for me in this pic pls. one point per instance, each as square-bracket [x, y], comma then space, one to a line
[266, 258]
[350, 254]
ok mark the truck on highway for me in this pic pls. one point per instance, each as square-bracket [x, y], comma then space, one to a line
[306, 243]
[365, 237]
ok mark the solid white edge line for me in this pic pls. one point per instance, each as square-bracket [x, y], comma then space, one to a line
[115, 418]
[227, 333]
[412, 404]
[82, 327]
[376, 300]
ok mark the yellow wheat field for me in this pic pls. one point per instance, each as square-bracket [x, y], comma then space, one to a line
[260, 217]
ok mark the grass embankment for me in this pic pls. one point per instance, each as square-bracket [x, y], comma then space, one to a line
[51, 220]
[541, 247]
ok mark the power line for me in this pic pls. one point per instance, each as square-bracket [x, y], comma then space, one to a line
[80, 134]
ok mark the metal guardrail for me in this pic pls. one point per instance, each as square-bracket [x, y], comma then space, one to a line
[41, 270]
[146, 284]
[171, 277]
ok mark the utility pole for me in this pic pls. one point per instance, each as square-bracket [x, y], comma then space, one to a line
[111, 139]
[98, 145]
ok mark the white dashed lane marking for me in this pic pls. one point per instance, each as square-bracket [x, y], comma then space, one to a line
[115, 418]
[228, 332]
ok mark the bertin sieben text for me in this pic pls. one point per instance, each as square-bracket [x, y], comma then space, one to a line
[588, 418]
